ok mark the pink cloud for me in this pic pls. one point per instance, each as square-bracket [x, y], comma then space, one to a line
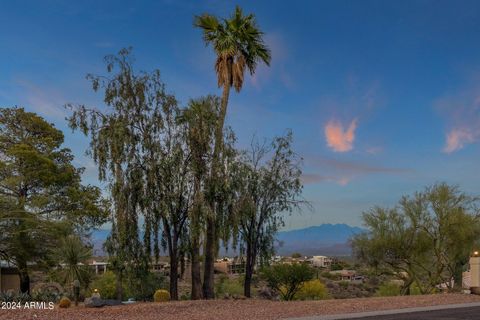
[338, 139]
[457, 138]
[461, 111]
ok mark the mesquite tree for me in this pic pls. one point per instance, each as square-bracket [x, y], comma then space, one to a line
[426, 240]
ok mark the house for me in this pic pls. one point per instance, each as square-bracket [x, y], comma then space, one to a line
[230, 265]
[9, 278]
[320, 261]
[347, 275]
[100, 267]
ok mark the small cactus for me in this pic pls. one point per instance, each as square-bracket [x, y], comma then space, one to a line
[161, 296]
[64, 303]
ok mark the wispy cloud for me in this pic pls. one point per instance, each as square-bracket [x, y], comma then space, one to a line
[45, 101]
[457, 138]
[313, 178]
[338, 138]
[461, 111]
[323, 169]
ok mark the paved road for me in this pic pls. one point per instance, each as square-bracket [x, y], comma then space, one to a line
[465, 311]
[447, 314]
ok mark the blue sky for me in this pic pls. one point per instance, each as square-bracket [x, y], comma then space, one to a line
[383, 97]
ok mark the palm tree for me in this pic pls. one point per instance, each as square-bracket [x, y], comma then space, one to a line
[73, 256]
[239, 45]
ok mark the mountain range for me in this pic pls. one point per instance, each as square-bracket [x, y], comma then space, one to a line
[325, 239]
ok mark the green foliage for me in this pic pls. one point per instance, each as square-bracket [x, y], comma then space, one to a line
[142, 288]
[106, 285]
[161, 295]
[266, 190]
[287, 279]
[228, 286]
[312, 290]
[10, 296]
[238, 43]
[64, 303]
[296, 255]
[388, 290]
[426, 240]
[41, 195]
[72, 255]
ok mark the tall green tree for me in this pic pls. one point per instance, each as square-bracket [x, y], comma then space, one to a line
[141, 149]
[269, 186]
[426, 240]
[42, 197]
[200, 118]
[124, 143]
[238, 44]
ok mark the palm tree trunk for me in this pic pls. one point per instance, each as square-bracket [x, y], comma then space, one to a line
[211, 236]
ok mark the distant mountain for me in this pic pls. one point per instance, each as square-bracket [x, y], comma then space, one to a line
[325, 239]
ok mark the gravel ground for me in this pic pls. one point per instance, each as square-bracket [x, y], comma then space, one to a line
[236, 309]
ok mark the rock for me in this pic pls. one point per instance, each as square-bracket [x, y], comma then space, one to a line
[112, 302]
[94, 302]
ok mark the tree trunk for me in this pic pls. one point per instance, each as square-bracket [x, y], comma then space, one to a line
[182, 266]
[249, 265]
[195, 266]
[24, 278]
[210, 246]
[173, 276]
[119, 286]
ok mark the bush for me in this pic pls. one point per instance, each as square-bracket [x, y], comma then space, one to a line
[227, 286]
[64, 303]
[161, 296]
[287, 279]
[106, 285]
[143, 286]
[388, 290]
[11, 296]
[312, 290]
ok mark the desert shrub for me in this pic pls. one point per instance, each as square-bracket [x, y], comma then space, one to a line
[144, 287]
[161, 295]
[228, 286]
[185, 296]
[64, 303]
[388, 290]
[312, 290]
[287, 279]
[11, 296]
[106, 285]
[45, 296]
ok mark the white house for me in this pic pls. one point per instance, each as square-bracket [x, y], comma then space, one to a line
[321, 261]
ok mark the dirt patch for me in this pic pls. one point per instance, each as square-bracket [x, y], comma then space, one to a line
[236, 310]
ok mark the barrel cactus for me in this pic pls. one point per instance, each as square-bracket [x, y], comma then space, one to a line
[64, 303]
[161, 296]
